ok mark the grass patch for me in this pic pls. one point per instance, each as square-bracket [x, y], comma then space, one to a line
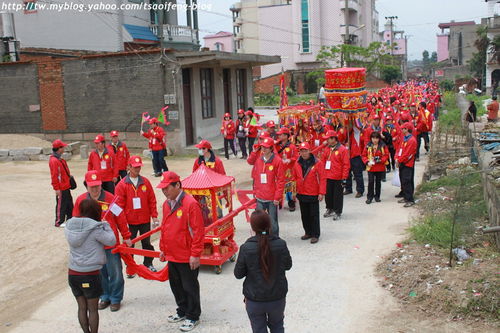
[452, 118]
[479, 101]
[274, 99]
[436, 230]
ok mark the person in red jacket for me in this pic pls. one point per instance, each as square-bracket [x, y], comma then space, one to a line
[391, 134]
[269, 181]
[405, 160]
[103, 161]
[122, 154]
[112, 281]
[271, 129]
[59, 175]
[425, 127]
[207, 157]
[355, 144]
[241, 134]
[228, 130]
[181, 244]
[135, 195]
[288, 153]
[317, 137]
[335, 158]
[309, 175]
[250, 128]
[375, 156]
[156, 136]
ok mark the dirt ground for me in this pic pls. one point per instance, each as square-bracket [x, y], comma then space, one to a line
[14, 141]
[332, 286]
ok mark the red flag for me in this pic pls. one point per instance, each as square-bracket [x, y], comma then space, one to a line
[283, 95]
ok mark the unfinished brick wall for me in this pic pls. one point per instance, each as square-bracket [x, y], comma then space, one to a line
[51, 94]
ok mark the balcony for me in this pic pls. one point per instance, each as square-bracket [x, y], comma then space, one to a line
[177, 36]
[236, 7]
[351, 5]
[238, 36]
[238, 21]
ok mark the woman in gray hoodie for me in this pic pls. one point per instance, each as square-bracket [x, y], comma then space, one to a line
[86, 238]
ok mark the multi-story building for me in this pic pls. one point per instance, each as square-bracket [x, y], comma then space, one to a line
[298, 29]
[397, 44]
[455, 43]
[221, 41]
[114, 26]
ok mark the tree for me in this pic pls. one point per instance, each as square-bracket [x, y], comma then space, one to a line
[425, 58]
[391, 73]
[434, 57]
[478, 60]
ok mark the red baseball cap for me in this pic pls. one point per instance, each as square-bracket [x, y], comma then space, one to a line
[331, 134]
[388, 118]
[270, 123]
[153, 121]
[413, 104]
[135, 161]
[227, 115]
[267, 142]
[241, 111]
[264, 135]
[92, 178]
[58, 144]
[375, 117]
[113, 133]
[168, 178]
[284, 130]
[304, 145]
[204, 144]
[249, 113]
[408, 126]
[99, 138]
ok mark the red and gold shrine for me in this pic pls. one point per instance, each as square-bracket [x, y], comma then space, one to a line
[345, 90]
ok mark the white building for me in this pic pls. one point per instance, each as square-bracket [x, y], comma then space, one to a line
[296, 30]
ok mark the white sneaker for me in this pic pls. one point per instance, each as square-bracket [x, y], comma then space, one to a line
[62, 225]
[188, 325]
[175, 318]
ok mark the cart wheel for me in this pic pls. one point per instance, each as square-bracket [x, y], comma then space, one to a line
[218, 269]
[233, 258]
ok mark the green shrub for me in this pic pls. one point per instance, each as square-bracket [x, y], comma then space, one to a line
[447, 85]
[436, 230]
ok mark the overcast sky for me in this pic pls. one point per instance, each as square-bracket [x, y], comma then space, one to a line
[419, 19]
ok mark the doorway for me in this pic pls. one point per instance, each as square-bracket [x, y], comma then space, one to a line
[226, 79]
[188, 113]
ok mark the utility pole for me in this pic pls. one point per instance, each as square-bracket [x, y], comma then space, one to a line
[391, 18]
[346, 36]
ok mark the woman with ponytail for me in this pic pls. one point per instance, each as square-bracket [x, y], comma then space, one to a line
[262, 261]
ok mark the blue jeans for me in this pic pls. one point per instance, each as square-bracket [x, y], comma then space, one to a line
[113, 284]
[272, 210]
[159, 164]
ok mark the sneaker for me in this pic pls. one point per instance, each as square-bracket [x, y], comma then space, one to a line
[399, 195]
[152, 268]
[409, 204]
[336, 217]
[62, 225]
[153, 174]
[358, 195]
[368, 201]
[328, 213]
[305, 237]
[175, 318]
[188, 325]
[402, 201]
[130, 276]
[384, 180]
[377, 200]
[314, 240]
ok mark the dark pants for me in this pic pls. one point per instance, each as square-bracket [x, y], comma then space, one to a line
[375, 184]
[229, 142]
[109, 186]
[334, 195]
[406, 175]
[266, 314]
[309, 213]
[242, 144]
[64, 207]
[186, 289]
[159, 164]
[425, 136]
[121, 174]
[392, 161]
[251, 141]
[436, 113]
[146, 242]
[272, 210]
[357, 167]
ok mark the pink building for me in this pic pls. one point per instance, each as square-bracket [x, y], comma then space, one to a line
[221, 41]
[397, 37]
[442, 47]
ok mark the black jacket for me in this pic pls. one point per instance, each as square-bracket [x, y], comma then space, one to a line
[255, 287]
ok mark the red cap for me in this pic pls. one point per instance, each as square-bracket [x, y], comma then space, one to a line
[413, 104]
[388, 118]
[331, 134]
[284, 130]
[113, 133]
[305, 145]
[168, 178]
[375, 117]
[135, 161]
[388, 110]
[264, 135]
[408, 126]
[249, 113]
[92, 178]
[241, 111]
[204, 144]
[99, 138]
[267, 142]
[58, 144]
[153, 121]
[227, 115]
[270, 123]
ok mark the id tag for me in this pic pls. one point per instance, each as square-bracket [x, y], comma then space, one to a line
[328, 165]
[263, 178]
[316, 143]
[400, 151]
[136, 202]
[103, 165]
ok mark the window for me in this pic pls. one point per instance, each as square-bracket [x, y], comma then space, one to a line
[241, 78]
[219, 46]
[305, 25]
[207, 93]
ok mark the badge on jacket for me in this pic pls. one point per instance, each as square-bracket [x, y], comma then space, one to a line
[271, 168]
[106, 156]
[179, 214]
[144, 188]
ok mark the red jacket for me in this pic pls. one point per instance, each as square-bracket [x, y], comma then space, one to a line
[59, 173]
[126, 192]
[370, 154]
[274, 180]
[407, 150]
[156, 138]
[105, 166]
[367, 132]
[339, 166]
[182, 230]
[216, 165]
[419, 124]
[314, 180]
[228, 129]
[122, 154]
[316, 139]
[287, 152]
[252, 130]
[355, 145]
[116, 222]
